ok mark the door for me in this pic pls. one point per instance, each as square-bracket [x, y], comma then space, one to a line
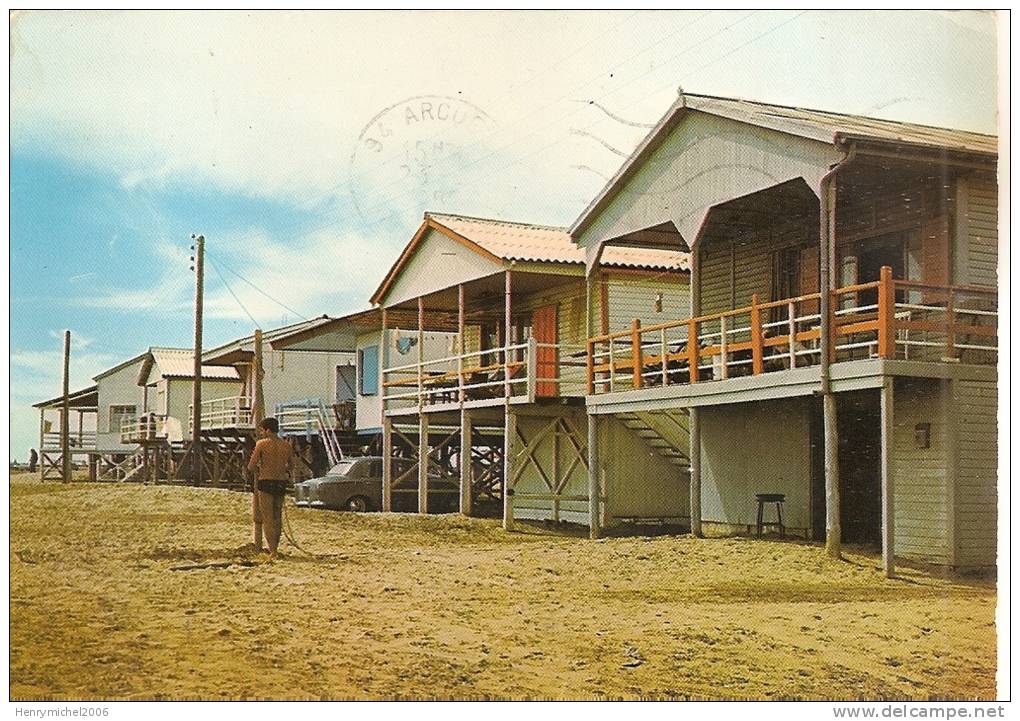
[346, 382]
[544, 330]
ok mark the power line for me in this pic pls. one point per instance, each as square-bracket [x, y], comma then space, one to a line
[230, 290]
[259, 290]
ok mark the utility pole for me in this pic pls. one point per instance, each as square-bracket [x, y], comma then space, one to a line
[258, 399]
[196, 390]
[65, 413]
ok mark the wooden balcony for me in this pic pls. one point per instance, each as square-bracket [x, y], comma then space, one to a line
[520, 373]
[889, 319]
[144, 429]
[231, 413]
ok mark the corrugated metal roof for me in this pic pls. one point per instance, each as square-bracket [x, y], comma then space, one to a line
[541, 243]
[827, 126]
[179, 363]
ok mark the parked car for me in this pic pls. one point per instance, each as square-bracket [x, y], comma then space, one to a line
[355, 484]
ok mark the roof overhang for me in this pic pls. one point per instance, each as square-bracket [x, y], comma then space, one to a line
[83, 399]
[429, 223]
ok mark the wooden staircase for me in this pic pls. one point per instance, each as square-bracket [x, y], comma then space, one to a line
[666, 433]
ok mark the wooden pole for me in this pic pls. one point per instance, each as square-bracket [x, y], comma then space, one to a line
[757, 364]
[886, 305]
[258, 401]
[695, 456]
[387, 465]
[888, 477]
[594, 525]
[466, 434]
[833, 528]
[423, 463]
[65, 413]
[636, 354]
[196, 389]
[421, 351]
[509, 431]
[461, 310]
[507, 322]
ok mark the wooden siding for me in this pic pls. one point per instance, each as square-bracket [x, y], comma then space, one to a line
[639, 483]
[921, 475]
[119, 388]
[975, 406]
[733, 270]
[705, 160]
[977, 233]
[746, 452]
[631, 296]
[439, 262]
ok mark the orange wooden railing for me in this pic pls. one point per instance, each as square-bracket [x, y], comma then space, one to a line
[785, 334]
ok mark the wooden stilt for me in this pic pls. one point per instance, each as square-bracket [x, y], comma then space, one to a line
[509, 434]
[423, 463]
[594, 525]
[387, 468]
[695, 456]
[833, 529]
[65, 413]
[888, 518]
[466, 470]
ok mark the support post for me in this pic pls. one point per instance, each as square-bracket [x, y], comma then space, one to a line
[65, 413]
[466, 434]
[384, 362]
[423, 463]
[695, 455]
[460, 343]
[594, 506]
[196, 386]
[387, 465]
[636, 352]
[888, 478]
[421, 352]
[757, 364]
[693, 350]
[507, 323]
[509, 432]
[833, 529]
[886, 306]
[258, 411]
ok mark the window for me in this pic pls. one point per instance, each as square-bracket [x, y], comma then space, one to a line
[119, 414]
[368, 370]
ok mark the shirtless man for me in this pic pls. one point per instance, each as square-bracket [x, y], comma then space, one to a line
[270, 466]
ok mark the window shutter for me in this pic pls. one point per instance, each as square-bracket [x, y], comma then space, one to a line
[809, 278]
[935, 250]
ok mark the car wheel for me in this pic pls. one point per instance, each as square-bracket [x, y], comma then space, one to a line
[358, 504]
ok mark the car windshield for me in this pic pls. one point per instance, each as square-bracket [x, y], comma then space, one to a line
[353, 468]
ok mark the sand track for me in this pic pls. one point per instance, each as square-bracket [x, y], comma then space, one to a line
[408, 607]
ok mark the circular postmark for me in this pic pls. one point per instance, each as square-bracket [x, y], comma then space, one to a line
[408, 155]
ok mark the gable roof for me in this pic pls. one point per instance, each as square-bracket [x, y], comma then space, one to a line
[504, 241]
[179, 363]
[247, 343]
[824, 126]
[120, 366]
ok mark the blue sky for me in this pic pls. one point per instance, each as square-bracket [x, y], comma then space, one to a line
[289, 140]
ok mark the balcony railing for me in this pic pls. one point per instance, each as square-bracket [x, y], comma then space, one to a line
[520, 371]
[887, 318]
[78, 440]
[224, 413]
[149, 427]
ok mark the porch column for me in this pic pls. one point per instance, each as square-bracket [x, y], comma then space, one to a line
[460, 345]
[466, 432]
[509, 432]
[387, 464]
[421, 351]
[423, 463]
[507, 321]
[888, 541]
[594, 525]
[695, 456]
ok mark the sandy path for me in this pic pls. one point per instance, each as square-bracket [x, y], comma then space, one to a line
[451, 607]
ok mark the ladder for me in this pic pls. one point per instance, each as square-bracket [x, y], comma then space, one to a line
[644, 428]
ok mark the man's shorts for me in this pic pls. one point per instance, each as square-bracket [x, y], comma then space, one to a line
[273, 487]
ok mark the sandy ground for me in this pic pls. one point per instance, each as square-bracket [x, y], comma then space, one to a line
[148, 592]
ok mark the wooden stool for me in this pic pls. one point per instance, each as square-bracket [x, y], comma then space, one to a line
[778, 499]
